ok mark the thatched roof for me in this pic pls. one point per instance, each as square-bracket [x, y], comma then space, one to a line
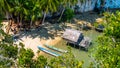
[72, 36]
[76, 37]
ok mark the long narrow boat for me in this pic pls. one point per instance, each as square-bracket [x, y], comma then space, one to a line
[57, 49]
[48, 51]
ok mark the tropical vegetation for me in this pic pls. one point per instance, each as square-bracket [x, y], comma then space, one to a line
[13, 55]
[105, 55]
[24, 11]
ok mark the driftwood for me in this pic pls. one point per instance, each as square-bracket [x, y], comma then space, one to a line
[8, 26]
[15, 27]
[12, 26]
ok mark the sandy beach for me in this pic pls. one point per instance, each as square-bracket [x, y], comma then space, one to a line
[47, 33]
[32, 43]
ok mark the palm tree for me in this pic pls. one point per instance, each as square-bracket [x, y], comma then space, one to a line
[4, 7]
[66, 3]
[2, 4]
[48, 6]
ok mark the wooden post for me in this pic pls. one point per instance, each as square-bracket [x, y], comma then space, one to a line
[79, 47]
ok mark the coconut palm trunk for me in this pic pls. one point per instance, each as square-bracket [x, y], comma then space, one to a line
[20, 24]
[61, 14]
[44, 16]
[31, 23]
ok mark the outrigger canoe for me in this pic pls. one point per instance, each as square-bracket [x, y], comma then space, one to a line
[54, 48]
[48, 51]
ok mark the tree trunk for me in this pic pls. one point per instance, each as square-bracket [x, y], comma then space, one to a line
[20, 24]
[7, 15]
[44, 17]
[18, 19]
[31, 22]
[61, 14]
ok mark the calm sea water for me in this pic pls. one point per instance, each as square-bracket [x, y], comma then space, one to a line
[80, 54]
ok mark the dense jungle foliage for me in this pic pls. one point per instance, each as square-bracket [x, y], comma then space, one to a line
[106, 55]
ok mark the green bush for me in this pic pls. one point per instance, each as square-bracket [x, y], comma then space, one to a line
[68, 14]
[107, 53]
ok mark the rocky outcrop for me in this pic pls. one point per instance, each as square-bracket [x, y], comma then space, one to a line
[89, 5]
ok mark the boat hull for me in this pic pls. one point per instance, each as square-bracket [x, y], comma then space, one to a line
[56, 49]
[48, 51]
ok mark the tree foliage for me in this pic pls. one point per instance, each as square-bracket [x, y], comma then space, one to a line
[30, 10]
[21, 10]
[40, 62]
[108, 51]
[8, 52]
[68, 14]
[17, 56]
[66, 61]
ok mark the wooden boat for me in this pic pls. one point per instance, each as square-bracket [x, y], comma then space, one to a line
[100, 28]
[48, 51]
[57, 49]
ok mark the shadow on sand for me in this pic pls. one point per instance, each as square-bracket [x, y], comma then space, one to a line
[45, 31]
[48, 30]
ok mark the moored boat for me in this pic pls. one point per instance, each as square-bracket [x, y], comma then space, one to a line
[54, 48]
[100, 28]
[48, 51]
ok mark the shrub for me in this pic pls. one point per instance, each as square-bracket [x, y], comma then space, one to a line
[68, 14]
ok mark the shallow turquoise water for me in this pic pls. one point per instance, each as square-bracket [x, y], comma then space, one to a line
[80, 54]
